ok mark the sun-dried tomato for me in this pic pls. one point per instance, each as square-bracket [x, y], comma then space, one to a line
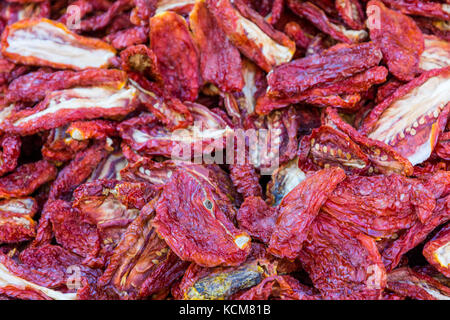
[318, 17]
[142, 60]
[145, 135]
[342, 263]
[220, 61]
[409, 283]
[334, 64]
[417, 233]
[257, 218]
[170, 111]
[329, 147]
[384, 158]
[110, 167]
[77, 171]
[63, 106]
[398, 37]
[351, 12]
[52, 265]
[100, 21]
[437, 251]
[72, 230]
[34, 86]
[251, 34]
[176, 54]
[96, 129]
[16, 220]
[380, 205]
[59, 147]
[9, 156]
[436, 54]
[128, 37]
[26, 179]
[199, 230]
[421, 8]
[295, 32]
[142, 264]
[45, 42]
[298, 210]
[412, 134]
[435, 27]
[111, 205]
[443, 146]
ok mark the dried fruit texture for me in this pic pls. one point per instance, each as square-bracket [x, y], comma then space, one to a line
[26, 179]
[43, 42]
[411, 119]
[408, 283]
[142, 264]
[128, 37]
[398, 37]
[318, 17]
[34, 86]
[77, 171]
[443, 147]
[146, 136]
[220, 61]
[342, 263]
[330, 147]
[436, 54]
[380, 206]
[16, 286]
[143, 11]
[16, 220]
[229, 149]
[52, 266]
[279, 288]
[299, 208]
[176, 54]
[439, 28]
[251, 34]
[246, 180]
[335, 64]
[111, 205]
[257, 218]
[102, 20]
[142, 60]
[384, 159]
[96, 129]
[240, 106]
[219, 283]
[59, 147]
[63, 106]
[282, 126]
[195, 223]
[181, 7]
[170, 111]
[68, 179]
[421, 8]
[437, 251]
[10, 145]
[71, 229]
[351, 12]
[417, 233]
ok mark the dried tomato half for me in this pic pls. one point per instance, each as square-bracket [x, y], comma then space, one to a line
[192, 218]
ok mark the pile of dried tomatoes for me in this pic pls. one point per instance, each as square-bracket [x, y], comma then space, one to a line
[116, 117]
